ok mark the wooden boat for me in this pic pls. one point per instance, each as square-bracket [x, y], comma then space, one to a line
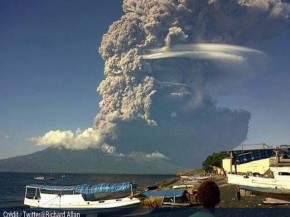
[80, 197]
[172, 197]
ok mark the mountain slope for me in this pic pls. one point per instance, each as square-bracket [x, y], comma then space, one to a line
[53, 160]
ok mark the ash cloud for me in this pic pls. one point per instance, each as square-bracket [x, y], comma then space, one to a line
[164, 104]
[166, 63]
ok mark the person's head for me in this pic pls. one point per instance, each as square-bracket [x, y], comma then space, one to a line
[208, 194]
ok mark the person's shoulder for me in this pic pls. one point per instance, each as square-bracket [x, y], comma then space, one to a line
[202, 214]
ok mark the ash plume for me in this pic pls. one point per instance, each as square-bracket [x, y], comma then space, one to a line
[166, 64]
[159, 103]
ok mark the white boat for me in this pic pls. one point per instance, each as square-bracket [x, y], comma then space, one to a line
[80, 197]
[186, 177]
[39, 178]
[183, 186]
[274, 182]
[203, 178]
[279, 182]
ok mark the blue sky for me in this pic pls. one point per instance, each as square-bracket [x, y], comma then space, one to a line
[50, 68]
[266, 96]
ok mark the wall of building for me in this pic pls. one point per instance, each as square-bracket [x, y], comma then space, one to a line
[257, 166]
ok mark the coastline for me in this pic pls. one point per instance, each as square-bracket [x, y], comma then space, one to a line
[228, 194]
[13, 187]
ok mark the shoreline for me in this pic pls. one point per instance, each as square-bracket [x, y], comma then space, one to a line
[228, 194]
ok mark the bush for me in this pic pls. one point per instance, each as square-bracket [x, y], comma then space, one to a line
[214, 159]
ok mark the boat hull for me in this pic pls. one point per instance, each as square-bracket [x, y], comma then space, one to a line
[71, 203]
[259, 182]
[268, 192]
[114, 212]
[261, 186]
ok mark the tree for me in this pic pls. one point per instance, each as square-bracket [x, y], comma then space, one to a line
[214, 159]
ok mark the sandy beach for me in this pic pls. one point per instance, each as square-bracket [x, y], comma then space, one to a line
[228, 194]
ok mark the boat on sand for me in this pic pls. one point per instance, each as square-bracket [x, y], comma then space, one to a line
[279, 182]
[79, 197]
[275, 182]
[173, 197]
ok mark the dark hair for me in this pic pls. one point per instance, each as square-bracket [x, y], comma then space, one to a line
[208, 194]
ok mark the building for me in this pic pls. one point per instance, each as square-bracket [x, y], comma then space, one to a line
[245, 158]
[257, 166]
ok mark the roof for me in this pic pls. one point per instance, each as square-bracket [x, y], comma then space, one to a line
[52, 187]
[253, 155]
[88, 188]
[244, 147]
[165, 193]
[103, 187]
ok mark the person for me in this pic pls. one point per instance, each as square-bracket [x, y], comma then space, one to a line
[208, 195]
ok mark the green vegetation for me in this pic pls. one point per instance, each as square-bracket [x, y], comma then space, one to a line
[214, 159]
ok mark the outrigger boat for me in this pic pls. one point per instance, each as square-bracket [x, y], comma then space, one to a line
[79, 197]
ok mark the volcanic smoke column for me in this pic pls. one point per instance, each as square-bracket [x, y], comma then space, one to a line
[164, 104]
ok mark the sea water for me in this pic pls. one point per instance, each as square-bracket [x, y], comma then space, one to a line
[12, 185]
[12, 190]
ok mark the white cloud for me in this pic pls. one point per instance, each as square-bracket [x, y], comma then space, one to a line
[78, 140]
[156, 155]
[210, 51]
[88, 138]
[147, 156]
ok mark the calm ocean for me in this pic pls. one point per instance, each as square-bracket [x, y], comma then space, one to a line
[12, 185]
[12, 189]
